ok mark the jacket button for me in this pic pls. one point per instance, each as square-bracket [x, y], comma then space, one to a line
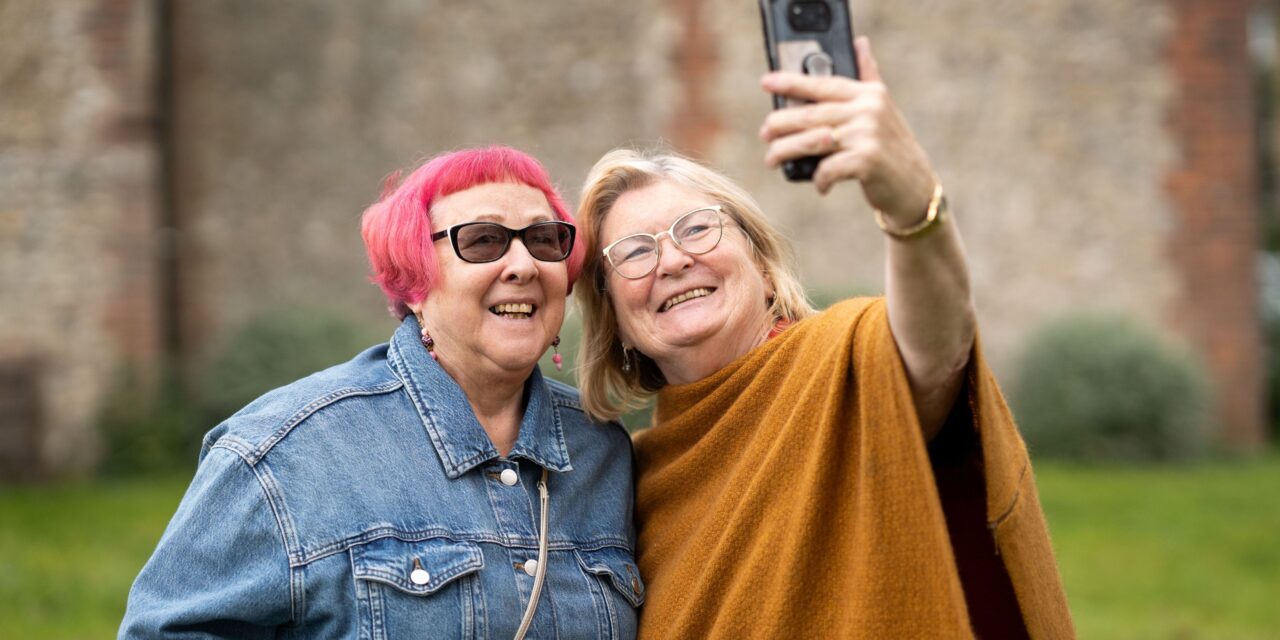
[509, 477]
[420, 576]
[531, 567]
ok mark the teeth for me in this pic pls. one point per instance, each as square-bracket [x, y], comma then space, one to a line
[512, 309]
[688, 295]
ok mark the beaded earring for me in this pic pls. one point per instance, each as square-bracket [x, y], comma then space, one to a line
[626, 360]
[429, 343]
[555, 346]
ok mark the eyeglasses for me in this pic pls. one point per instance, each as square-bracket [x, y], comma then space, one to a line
[480, 242]
[697, 232]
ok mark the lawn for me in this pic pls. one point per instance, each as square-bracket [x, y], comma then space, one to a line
[1181, 553]
[1163, 552]
[71, 551]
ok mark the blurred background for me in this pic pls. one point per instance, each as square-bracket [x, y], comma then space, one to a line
[181, 185]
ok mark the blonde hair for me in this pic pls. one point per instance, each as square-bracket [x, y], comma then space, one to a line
[606, 390]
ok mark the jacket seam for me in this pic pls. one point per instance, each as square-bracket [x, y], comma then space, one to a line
[302, 557]
[283, 527]
[311, 408]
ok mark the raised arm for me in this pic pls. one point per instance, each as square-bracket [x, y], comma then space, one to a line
[926, 278]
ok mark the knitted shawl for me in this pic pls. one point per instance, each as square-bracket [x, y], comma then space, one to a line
[791, 494]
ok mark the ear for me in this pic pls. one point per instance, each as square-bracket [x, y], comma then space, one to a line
[417, 308]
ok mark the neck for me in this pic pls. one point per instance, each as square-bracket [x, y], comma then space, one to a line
[496, 400]
[709, 356]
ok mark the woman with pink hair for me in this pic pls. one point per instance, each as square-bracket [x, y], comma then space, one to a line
[434, 486]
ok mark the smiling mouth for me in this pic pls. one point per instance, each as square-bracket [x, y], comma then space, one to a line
[700, 292]
[513, 310]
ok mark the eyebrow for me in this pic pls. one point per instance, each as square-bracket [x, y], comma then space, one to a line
[497, 217]
[673, 221]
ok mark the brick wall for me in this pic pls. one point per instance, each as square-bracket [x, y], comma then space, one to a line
[1098, 156]
[1213, 185]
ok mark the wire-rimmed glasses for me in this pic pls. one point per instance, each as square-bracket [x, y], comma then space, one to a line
[697, 232]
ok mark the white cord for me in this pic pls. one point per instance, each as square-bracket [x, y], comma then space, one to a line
[544, 499]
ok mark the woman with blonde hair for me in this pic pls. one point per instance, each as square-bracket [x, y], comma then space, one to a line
[848, 473]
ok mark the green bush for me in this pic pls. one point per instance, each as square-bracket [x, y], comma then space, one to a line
[1097, 388]
[147, 426]
[1269, 301]
[275, 348]
[155, 426]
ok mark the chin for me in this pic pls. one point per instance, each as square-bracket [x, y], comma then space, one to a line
[692, 332]
[521, 355]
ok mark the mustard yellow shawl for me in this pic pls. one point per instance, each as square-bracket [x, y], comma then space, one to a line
[790, 494]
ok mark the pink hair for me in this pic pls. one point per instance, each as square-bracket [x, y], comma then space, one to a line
[397, 228]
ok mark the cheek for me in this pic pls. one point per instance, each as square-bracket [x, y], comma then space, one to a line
[628, 304]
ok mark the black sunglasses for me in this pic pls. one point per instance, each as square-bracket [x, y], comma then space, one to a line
[480, 242]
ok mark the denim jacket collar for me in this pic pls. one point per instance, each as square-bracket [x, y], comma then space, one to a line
[459, 440]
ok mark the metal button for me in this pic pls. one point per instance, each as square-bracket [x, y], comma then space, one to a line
[531, 567]
[420, 576]
[509, 477]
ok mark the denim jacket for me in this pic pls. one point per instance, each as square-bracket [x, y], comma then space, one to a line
[314, 508]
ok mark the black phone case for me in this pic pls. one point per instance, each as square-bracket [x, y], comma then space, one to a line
[786, 48]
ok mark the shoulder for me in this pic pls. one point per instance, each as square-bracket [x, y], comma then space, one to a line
[851, 309]
[567, 400]
[839, 319]
[264, 423]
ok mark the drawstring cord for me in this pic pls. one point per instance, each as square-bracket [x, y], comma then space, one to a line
[544, 500]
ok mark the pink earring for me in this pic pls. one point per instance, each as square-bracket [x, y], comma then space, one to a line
[555, 346]
[429, 343]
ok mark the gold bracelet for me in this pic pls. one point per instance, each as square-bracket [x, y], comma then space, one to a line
[934, 217]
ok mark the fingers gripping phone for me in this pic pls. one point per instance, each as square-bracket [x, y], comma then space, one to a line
[813, 37]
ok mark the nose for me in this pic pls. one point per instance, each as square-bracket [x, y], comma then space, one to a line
[671, 258]
[518, 264]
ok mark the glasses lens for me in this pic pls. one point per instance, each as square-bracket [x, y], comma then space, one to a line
[549, 241]
[481, 241]
[698, 231]
[634, 256]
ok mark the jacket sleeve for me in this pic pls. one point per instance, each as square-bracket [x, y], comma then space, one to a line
[220, 569]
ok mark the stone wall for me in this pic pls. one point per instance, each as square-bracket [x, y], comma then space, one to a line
[78, 240]
[1076, 149]
[1098, 155]
[290, 115]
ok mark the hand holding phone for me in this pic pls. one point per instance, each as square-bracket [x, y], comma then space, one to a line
[814, 37]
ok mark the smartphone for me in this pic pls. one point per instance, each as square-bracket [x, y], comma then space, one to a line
[807, 36]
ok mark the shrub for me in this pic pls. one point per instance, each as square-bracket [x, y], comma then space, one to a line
[147, 426]
[1101, 388]
[275, 348]
[1269, 301]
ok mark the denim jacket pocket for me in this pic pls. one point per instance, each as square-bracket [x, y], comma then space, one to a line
[431, 580]
[617, 567]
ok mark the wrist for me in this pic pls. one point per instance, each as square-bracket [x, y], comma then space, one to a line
[932, 216]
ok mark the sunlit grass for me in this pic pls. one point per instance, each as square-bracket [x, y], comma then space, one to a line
[1169, 552]
[1149, 552]
[70, 553]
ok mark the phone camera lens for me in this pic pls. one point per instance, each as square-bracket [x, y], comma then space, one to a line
[809, 16]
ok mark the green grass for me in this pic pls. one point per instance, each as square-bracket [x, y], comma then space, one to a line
[1168, 552]
[71, 551]
[1149, 552]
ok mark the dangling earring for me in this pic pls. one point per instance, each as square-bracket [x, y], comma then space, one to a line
[626, 360]
[429, 344]
[555, 346]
